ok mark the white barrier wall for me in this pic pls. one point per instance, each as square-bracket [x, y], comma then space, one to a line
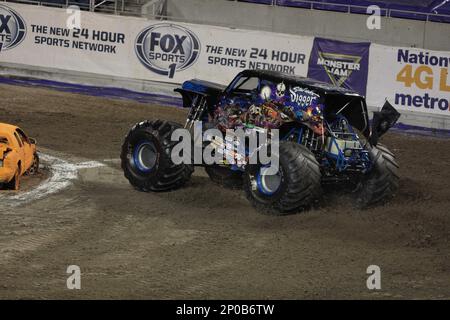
[143, 49]
[415, 80]
[314, 23]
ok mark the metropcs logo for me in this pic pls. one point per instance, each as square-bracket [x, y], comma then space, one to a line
[167, 48]
[12, 28]
[339, 66]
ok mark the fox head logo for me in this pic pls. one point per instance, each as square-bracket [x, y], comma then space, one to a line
[12, 28]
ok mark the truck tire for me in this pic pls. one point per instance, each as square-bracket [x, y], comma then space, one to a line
[34, 169]
[381, 183]
[14, 184]
[146, 157]
[224, 176]
[295, 187]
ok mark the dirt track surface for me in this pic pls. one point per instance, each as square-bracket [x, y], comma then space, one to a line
[204, 241]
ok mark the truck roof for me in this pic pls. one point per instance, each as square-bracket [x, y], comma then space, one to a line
[315, 85]
[7, 128]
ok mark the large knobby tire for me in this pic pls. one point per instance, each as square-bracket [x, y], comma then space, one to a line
[381, 183]
[296, 187]
[224, 176]
[146, 157]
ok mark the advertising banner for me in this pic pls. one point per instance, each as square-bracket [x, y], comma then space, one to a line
[343, 64]
[138, 48]
[410, 78]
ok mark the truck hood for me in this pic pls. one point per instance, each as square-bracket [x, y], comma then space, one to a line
[203, 87]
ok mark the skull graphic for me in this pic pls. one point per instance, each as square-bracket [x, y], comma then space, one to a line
[256, 110]
[281, 90]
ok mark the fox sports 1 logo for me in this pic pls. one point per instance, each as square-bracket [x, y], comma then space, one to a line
[167, 48]
[12, 28]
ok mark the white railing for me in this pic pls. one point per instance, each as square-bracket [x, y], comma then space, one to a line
[62, 4]
[154, 8]
[106, 6]
[93, 4]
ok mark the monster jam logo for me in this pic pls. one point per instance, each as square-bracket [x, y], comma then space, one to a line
[338, 66]
[167, 48]
[12, 28]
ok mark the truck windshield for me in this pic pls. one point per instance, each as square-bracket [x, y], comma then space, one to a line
[246, 85]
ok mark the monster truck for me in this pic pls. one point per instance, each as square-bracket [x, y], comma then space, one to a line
[324, 139]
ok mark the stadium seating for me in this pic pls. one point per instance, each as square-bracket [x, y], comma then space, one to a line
[424, 10]
[431, 10]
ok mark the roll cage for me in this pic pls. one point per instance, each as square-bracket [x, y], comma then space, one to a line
[337, 101]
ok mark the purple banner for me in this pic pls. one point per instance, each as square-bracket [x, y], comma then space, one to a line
[343, 64]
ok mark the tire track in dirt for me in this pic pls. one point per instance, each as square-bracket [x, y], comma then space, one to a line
[61, 175]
